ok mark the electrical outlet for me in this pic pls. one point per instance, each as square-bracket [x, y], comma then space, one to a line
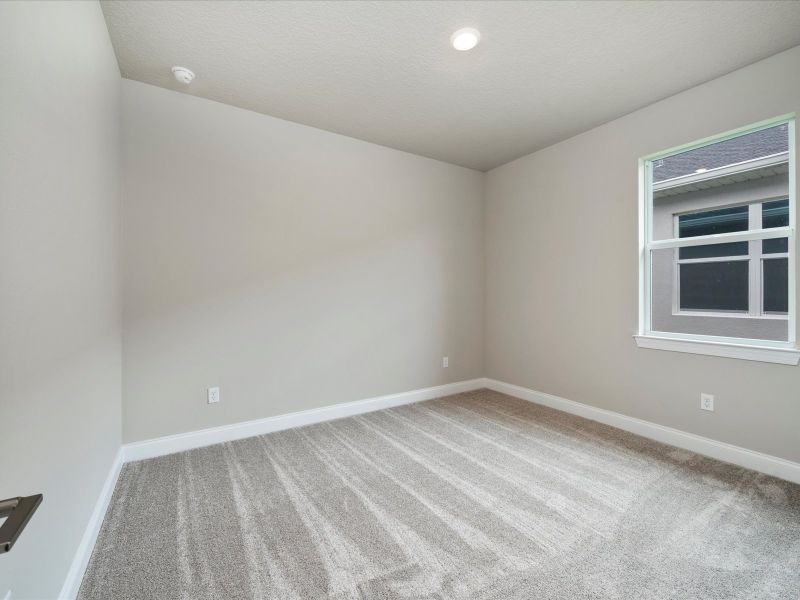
[213, 395]
[707, 402]
[445, 362]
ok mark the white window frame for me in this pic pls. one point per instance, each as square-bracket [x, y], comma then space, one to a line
[783, 352]
[754, 256]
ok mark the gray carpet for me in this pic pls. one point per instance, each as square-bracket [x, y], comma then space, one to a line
[477, 495]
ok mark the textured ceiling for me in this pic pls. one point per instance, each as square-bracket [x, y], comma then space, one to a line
[385, 72]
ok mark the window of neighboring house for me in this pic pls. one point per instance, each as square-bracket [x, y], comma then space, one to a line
[718, 246]
[716, 280]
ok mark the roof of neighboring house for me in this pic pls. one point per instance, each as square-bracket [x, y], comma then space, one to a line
[746, 147]
[683, 185]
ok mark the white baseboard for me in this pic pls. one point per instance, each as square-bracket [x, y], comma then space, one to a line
[215, 435]
[757, 461]
[81, 560]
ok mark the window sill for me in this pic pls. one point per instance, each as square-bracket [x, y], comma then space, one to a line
[783, 356]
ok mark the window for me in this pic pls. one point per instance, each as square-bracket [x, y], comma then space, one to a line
[716, 278]
[717, 246]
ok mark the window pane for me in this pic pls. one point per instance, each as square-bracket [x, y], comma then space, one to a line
[721, 220]
[776, 285]
[720, 286]
[711, 187]
[707, 298]
[775, 214]
[775, 246]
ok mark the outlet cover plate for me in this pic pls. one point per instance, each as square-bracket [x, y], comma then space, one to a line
[213, 395]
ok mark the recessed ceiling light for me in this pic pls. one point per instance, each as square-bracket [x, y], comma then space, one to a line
[183, 75]
[703, 170]
[465, 39]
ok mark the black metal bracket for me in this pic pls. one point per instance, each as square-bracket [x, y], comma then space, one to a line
[18, 511]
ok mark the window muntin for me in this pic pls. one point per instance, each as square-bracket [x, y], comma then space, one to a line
[713, 269]
[776, 285]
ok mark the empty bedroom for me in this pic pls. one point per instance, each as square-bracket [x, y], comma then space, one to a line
[399, 300]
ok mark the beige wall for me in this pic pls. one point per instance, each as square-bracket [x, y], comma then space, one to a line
[562, 269]
[59, 286]
[292, 267]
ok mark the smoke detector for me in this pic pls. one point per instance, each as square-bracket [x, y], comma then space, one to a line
[183, 75]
